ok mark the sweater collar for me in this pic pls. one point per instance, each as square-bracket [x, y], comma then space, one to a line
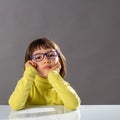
[43, 82]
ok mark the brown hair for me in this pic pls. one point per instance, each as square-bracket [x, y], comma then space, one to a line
[45, 44]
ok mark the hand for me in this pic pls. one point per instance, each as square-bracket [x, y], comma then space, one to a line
[30, 63]
[56, 67]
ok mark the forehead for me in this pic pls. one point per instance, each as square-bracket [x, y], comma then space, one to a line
[42, 50]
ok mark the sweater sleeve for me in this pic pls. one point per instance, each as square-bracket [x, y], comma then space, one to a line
[66, 93]
[20, 95]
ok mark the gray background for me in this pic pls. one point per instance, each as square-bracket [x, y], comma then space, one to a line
[87, 31]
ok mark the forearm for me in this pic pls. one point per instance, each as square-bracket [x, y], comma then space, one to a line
[20, 95]
[66, 93]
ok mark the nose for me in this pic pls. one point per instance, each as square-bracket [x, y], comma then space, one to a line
[46, 59]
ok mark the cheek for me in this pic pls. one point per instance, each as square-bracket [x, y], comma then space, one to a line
[56, 60]
[39, 66]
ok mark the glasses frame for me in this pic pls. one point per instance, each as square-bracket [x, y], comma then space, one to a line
[45, 54]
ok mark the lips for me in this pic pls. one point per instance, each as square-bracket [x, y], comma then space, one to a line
[47, 67]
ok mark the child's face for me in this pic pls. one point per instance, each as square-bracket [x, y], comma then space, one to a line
[46, 60]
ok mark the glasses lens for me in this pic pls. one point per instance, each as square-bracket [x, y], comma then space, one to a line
[52, 54]
[38, 57]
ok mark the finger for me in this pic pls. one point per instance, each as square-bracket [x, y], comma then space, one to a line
[58, 65]
[30, 63]
[33, 64]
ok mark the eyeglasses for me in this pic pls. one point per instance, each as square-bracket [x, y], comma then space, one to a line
[40, 56]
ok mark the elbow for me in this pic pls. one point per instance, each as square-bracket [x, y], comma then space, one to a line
[73, 105]
[15, 107]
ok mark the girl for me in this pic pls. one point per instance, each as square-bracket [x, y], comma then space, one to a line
[42, 82]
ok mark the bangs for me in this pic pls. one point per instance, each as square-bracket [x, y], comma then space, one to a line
[39, 47]
[40, 44]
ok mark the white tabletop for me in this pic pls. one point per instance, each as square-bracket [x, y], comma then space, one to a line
[85, 112]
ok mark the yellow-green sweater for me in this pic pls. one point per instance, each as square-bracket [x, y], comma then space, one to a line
[32, 89]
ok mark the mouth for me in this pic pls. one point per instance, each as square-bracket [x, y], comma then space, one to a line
[47, 67]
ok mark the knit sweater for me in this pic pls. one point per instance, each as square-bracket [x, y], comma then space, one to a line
[32, 89]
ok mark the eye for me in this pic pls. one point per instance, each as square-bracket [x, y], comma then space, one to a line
[52, 54]
[38, 57]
